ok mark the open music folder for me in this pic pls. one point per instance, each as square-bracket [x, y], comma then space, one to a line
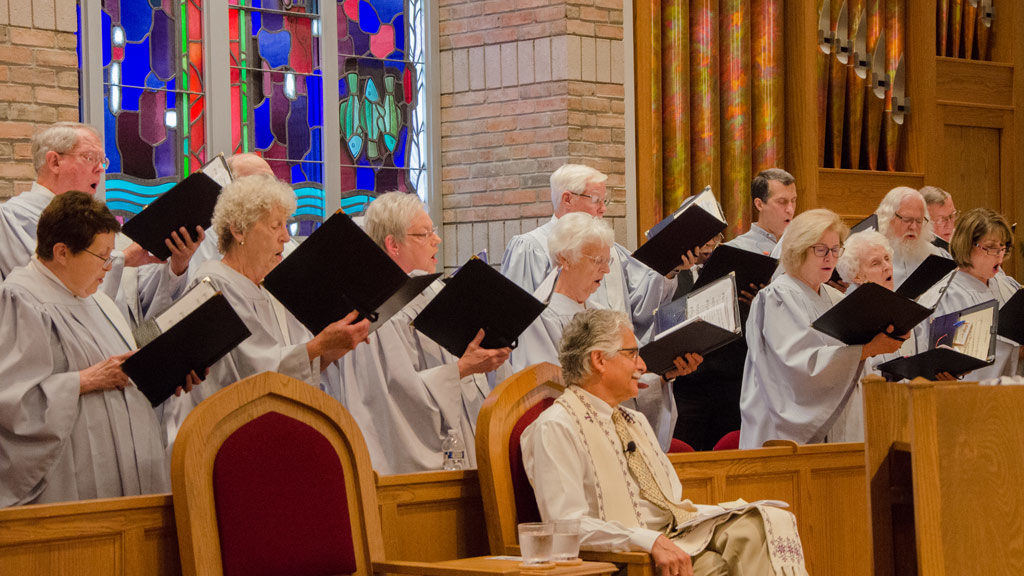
[698, 219]
[339, 269]
[700, 322]
[749, 267]
[929, 273]
[868, 310]
[194, 333]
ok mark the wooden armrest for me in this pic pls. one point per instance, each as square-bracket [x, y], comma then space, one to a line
[616, 557]
[438, 569]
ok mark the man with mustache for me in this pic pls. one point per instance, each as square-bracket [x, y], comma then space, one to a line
[903, 218]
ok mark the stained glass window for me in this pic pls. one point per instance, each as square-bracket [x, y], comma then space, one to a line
[380, 99]
[277, 94]
[154, 106]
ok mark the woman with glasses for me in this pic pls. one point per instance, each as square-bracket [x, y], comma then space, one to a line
[797, 380]
[981, 241]
[72, 425]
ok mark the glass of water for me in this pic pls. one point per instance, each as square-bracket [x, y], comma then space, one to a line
[535, 540]
[566, 541]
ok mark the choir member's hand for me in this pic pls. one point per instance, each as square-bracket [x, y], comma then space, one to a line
[182, 248]
[883, 343]
[747, 296]
[670, 559]
[689, 259]
[338, 338]
[105, 375]
[684, 367]
[136, 255]
[477, 360]
[191, 381]
[946, 376]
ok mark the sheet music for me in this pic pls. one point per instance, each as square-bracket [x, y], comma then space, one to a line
[974, 334]
[706, 200]
[192, 299]
[218, 171]
[715, 304]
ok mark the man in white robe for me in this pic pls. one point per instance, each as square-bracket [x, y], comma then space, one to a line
[589, 458]
[903, 218]
[630, 286]
[773, 192]
[942, 212]
[403, 389]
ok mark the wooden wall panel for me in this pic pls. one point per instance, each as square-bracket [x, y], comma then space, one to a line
[974, 82]
[971, 166]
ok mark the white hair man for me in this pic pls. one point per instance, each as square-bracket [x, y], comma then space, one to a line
[630, 286]
[69, 156]
[773, 192]
[903, 218]
[588, 457]
[942, 212]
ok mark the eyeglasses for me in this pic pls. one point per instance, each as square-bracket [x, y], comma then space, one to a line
[995, 250]
[92, 158]
[593, 199]
[631, 353]
[947, 219]
[599, 261]
[820, 250]
[905, 220]
[106, 261]
[423, 235]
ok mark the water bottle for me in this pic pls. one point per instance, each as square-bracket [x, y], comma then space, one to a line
[454, 451]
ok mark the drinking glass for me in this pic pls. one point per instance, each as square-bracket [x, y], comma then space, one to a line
[535, 542]
[566, 541]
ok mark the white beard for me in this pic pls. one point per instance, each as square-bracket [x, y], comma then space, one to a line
[915, 250]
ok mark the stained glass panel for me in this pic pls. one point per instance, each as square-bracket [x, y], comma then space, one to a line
[277, 94]
[381, 95]
[154, 105]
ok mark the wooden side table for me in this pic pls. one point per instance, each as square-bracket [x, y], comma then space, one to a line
[491, 566]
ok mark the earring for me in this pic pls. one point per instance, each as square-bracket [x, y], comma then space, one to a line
[241, 242]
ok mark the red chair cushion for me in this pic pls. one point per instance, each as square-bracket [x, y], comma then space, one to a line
[730, 441]
[678, 445]
[526, 501]
[279, 492]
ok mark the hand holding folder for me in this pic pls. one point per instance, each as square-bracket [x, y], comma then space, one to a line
[697, 220]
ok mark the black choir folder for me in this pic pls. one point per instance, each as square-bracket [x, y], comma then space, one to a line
[749, 267]
[190, 203]
[869, 223]
[195, 332]
[933, 269]
[700, 322]
[478, 296]
[868, 310]
[957, 343]
[697, 220]
[339, 269]
[1011, 318]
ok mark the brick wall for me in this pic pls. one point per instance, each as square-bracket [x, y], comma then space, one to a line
[526, 86]
[38, 80]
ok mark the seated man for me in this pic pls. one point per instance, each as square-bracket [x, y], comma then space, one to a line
[589, 458]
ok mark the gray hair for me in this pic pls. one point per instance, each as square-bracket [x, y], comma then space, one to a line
[61, 138]
[855, 246]
[390, 215]
[573, 178]
[245, 201]
[592, 330]
[759, 185]
[805, 231]
[934, 195]
[573, 231]
[891, 203]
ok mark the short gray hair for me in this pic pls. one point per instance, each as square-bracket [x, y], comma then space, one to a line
[805, 231]
[891, 203]
[245, 201]
[759, 188]
[61, 138]
[591, 330]
[848, 264]
[573, 231]
[934, 195]
[390, 215]
[573, 178]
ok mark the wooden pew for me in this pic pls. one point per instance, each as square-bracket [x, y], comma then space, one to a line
[439, 515]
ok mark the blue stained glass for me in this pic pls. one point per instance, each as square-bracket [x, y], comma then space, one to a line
[137, 19]
[314, 167]
[360, 40]
[164, 156]
[110, 141]
[371, 91]
[135, 66]
[273, 22]
[368, 19]
[342, 89]
[387, 8]
[256, 21]
[355, 145]
[105, 20]
[399, 156]
[297, 175]
[154, 83]
[274, 47]
[170, 103]
[362, 161]
[399, 25]
[298, 129]
[171, 84]
[162, 43]
[261, 121]
[365, 179]
[130, 98]
[314, 85]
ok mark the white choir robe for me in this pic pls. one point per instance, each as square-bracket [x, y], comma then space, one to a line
[756, 240]
[796, 379]
[539, 343]
[208, 251]
[55, 444]
[630, 286]
[19, 217]
[903, 266]
[965, 291]
[268, 348]
[404, 391]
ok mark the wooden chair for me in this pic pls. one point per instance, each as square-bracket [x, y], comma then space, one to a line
[272, 476]
[507, 494]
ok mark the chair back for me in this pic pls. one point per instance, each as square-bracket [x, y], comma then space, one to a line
[731, 441]
[509, 409]
[272, 476]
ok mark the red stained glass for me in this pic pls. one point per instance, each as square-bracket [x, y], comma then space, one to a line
[117, 53]
[407, 85]
[302, 45]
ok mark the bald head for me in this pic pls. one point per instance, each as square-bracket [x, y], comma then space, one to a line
[247, 164]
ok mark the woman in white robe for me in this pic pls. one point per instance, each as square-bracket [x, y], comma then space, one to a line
[402, 388]
[72, 425]
[250, 221]
[797, 380]
[981, 240]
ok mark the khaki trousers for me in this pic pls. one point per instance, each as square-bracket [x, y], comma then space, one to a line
[737, 547]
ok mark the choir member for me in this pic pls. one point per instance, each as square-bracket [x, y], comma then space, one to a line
[403, 389]
[72, 425]
[903, 218]
[630, 286]
[797, 380]
[942, 212]
[774, 195]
